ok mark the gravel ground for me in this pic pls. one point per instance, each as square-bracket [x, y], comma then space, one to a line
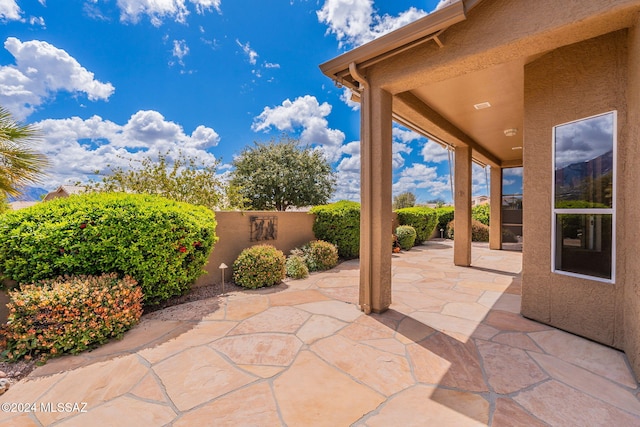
[14, 372]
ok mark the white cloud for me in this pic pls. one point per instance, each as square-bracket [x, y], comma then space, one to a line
[480, 180]
[37, 20]
[206, 5]
[158, 10]
[346, 97]
[77, 147]
[419, 176]
[355, 22]
[434, 153]
[349, 164]
[10, 11]
[512, 172]
[252, 55]
[41, 70]
[271, 65]
[405, 135]
[307, 114]
[443, 3]
[348, 187]
[351, 148]
[180, 50]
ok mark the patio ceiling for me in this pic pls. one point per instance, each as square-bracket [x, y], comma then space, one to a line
[476, 108]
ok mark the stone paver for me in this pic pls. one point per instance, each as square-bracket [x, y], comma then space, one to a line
[451, 351]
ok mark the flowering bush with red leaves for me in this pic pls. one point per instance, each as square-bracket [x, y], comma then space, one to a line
[69, 315]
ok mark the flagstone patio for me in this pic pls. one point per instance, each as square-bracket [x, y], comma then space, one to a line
[451, 351]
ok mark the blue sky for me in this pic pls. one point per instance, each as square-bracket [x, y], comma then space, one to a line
[108, 80]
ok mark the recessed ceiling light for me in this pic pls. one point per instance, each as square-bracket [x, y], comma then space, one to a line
[482, 106]
[516, 148]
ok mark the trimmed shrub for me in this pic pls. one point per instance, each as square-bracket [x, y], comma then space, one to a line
[509, 236]
[259, 266]
[160, 243]
[69, 315]
[479, 231]
[444, 216]
[339, 223]
[481, 213]
[296, 267]
[320, 255]
[421, 218]
[406, 236]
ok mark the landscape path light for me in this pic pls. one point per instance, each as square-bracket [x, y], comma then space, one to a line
[222, 267]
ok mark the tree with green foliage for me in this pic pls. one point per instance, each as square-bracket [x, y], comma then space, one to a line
[404, 200]
[183, 179]
[20, 164]
[280, 174]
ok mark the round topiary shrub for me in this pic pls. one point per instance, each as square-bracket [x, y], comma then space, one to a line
[69, 315]
[421, 218]
[479, 231]
[320, 255]
[160, 243]
[339, 223]
[296, 267]
[406, 236]
[259, 266]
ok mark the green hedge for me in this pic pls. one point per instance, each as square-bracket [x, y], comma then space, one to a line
[481, 213]
[160, 243]
[444, 216]
[339, 223]
[422, 218]
[69, 315]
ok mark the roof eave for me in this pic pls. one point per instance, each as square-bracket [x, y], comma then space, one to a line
[416, 31]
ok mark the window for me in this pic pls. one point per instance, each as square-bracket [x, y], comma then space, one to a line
[583, 240]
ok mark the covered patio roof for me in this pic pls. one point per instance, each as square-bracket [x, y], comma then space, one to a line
[460, 81]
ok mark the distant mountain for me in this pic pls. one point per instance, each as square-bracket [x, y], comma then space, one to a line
[582, 180]
[29, 194]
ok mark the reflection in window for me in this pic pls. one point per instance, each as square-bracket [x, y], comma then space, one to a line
[584, 244]
[584, 197]
[584, 163]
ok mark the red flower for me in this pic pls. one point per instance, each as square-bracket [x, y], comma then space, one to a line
[197, 244]
[182, 249]
[83, 225]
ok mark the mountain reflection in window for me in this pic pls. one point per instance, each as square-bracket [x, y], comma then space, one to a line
[584, 163]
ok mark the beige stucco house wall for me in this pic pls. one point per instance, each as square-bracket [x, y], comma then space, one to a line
[573, 82]
[538, 64]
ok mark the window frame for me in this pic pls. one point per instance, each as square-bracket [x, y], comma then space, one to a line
[585, 211]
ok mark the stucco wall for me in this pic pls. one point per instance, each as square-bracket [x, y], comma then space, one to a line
[630, 192]
[567, 84]
[234, 233]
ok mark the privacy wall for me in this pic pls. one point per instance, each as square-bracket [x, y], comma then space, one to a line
[239, 230]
